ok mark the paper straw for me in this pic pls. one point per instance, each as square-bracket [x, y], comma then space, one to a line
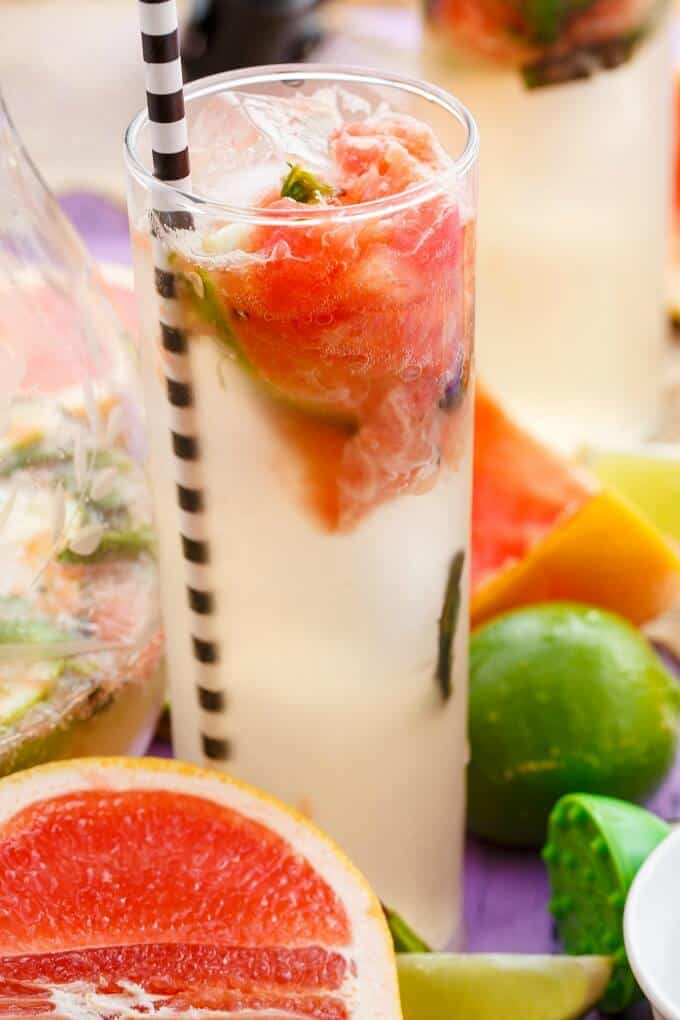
[170, 153]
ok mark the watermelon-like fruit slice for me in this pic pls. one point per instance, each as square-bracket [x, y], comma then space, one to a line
[544, 530]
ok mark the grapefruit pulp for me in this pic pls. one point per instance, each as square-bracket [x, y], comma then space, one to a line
[134, 887]
[358, 333]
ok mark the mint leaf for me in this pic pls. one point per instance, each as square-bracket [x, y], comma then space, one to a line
[447, 625]
[303, 186]
[582, 62]
[115, 545]
[404, 938]
[21, 624]
[547, 18]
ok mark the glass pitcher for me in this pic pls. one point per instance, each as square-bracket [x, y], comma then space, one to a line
[80, 637]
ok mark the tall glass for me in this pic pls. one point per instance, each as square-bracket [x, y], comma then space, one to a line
[574, 111]
[80, 631]
[330, 350]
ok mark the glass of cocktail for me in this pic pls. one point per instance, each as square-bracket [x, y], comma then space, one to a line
[573, 102]
[318, 422]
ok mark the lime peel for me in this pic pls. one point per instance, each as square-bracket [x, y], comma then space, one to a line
[434, 986]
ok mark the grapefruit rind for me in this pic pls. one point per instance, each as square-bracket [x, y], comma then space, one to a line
[545, 530]
[606, 554]
[489, 987]
[374, 992]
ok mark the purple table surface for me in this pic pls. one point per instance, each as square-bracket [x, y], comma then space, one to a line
[506, 892]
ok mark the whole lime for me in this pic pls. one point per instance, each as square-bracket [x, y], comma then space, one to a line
[563, 698]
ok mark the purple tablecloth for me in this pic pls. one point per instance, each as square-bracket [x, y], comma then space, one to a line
[506, 893]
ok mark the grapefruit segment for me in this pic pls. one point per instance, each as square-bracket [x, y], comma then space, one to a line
[160, 888]
[543, 530]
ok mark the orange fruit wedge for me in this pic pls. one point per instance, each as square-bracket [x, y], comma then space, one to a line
[133, 887]
[543, 530]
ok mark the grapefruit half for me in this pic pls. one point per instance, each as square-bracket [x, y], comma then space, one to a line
[133, 887]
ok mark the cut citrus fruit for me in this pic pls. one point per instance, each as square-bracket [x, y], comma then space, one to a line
[543, 530]
[438, 985]
[133, 887]
[649, 476]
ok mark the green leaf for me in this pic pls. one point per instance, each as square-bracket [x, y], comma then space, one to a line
[547, 18]
[404, 938]
[581, 62]
[447, 625]
[28, 451]
[16, 698]
[115, 545]
[303, 186]
[27, 629]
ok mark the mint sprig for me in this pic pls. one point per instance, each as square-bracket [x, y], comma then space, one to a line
[404, 938]
[303, 186]
[447, 625]
[547, 18]
[125, 544]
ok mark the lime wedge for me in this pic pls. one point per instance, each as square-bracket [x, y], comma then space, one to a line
[649, 476]
[15, 701]
[445, 986]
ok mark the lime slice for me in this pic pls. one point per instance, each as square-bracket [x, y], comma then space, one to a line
[439, 986]
[17, 698]
[648, 476]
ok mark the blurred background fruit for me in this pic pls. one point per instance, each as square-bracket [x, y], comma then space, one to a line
[649, 476]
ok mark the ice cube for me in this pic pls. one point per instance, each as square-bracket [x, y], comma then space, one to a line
[241, 143]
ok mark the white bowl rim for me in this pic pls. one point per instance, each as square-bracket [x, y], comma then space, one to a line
[669, 847]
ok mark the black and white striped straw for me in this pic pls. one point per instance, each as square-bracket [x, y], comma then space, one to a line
[170, 153]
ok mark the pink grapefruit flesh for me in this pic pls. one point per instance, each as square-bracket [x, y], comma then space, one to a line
[134, 884]
[366, 322]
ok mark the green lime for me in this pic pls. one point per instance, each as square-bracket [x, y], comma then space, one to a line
[648, 475]
[563, 698]
[596, 845]
[436, 986]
